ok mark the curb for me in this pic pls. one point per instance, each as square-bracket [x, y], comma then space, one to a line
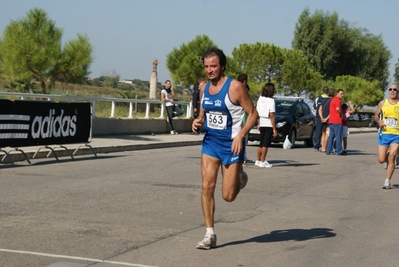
[86, 150]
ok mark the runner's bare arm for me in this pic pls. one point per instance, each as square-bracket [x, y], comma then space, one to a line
[377, 114]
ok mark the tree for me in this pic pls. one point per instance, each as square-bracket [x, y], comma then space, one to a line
[375, 60]
[334, 48]
[262, 63]
[74, 62]
[315, 36]
[184, 64]
[111, 81]
[298, 78]
[31, 48]
[396, 74]
[359, 91]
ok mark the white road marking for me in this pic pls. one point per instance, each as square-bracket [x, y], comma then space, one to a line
[73, 258]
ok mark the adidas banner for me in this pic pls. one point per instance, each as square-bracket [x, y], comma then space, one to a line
[34, 123]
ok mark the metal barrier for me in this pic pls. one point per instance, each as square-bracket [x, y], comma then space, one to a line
[43, 123]
[94, 100]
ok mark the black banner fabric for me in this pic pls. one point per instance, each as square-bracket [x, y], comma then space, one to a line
[33, 123]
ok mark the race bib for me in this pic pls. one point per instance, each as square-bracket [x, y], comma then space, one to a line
[216, 120]
[391, 122]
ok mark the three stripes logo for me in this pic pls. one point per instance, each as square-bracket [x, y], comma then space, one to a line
[14, 126]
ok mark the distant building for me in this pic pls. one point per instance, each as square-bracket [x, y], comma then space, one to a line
[127, 81]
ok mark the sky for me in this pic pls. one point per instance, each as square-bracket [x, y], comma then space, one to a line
[127, 35]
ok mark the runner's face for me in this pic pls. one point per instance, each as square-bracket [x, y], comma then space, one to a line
[392, 93]
[212, 68]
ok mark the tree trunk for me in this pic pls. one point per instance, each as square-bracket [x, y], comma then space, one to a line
[29, 87]
[43, 86]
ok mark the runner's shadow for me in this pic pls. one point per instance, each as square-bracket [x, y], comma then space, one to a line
[294, 164]
[359, 152]
[286, 235]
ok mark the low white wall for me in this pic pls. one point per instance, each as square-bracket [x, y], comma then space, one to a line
[111, 126]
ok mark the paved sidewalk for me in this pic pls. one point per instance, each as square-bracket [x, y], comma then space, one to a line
[118, 143]
[103, 144]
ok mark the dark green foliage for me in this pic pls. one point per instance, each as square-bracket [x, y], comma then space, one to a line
[334, 48]
[184, 64]
[31, 50]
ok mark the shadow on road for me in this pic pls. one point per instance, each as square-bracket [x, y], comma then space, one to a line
[279, 163]
[49, 161]
[286, 235]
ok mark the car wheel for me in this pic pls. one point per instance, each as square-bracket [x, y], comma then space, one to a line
[309, 142]
[292, 137]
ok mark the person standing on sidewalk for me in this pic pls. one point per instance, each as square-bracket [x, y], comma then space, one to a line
[387, 118]
[243, 78]
[172, 110]
[345, 129]
[319, 126]
[266, 108]
[335, 125]
[324, 113]
[311, 102]
[224, 101]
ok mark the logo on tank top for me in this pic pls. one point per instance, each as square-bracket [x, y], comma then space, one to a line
[218, 103]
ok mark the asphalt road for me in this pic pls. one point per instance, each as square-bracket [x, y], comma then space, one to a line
[142, 208]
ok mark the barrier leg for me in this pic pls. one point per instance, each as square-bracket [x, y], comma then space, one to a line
[23, 153]
[49, 153]
[66, 149]
[7, 155]
[86, 145]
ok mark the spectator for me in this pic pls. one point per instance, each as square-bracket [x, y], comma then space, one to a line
[345, 129]
[243, 78]
[172, 110]
[335, 121]
[311, 103]
[318, 102]
[266, 108]
[324, 113]
[351, 108]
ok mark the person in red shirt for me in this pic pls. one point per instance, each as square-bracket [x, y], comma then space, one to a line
[335, 121]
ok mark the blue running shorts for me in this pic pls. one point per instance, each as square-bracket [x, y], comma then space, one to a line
[222, 150]
[387, 139]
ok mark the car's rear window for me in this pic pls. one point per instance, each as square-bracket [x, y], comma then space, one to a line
[283, 108]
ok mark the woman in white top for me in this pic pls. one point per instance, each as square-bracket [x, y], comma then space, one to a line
[266, 108]
[167, 94]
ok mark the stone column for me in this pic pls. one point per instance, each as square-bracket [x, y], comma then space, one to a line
[154, 80]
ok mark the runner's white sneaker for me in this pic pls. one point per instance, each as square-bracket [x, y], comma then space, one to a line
[387, 184]
[257, 163]
[208, 242]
